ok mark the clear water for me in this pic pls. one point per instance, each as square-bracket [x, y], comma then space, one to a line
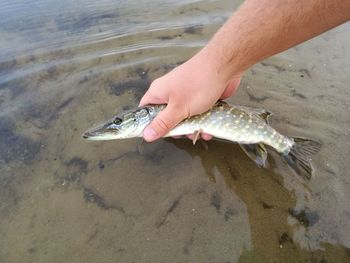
[66, 65]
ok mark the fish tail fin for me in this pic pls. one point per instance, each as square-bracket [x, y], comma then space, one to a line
[299, 157]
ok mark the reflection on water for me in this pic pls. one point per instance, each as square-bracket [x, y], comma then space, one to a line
[66, 65]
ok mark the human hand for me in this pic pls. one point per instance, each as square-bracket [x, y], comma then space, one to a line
[190, 89]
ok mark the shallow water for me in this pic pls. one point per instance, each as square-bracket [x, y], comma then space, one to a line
[66, 65]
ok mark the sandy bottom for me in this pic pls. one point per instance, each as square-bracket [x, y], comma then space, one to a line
[63, 199]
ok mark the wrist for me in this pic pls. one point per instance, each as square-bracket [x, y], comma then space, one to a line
[225, 66]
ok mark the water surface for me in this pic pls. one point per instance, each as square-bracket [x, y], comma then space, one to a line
[66, 65]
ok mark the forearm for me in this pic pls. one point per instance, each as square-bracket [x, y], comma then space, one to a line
[262, 28]
[259, 29]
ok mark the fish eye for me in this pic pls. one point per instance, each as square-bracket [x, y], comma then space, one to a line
[117, 121]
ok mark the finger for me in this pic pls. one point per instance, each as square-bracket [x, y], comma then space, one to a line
[231, 88]
[191, 136]
[149, 98]
[206, 136]
[164, 122]
[155, 94]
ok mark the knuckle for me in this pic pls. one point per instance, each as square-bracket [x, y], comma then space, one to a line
[183, 111]
[186, 112]
[161, 124]
[155, 83]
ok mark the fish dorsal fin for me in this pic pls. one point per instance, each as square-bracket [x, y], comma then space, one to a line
[221, 103]
[260, 113]
[264, 114]
[256, 152]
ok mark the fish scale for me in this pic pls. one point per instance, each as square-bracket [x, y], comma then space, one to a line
[246, 126]
[234, 123]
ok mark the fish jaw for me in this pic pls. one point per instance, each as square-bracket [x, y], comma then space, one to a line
[99, 133]
[111, 131]
[99, 137]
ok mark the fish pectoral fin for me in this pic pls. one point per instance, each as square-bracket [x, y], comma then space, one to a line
[196, 136]
[256, 152]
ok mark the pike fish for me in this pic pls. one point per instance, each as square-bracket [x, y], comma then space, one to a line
[246, 126]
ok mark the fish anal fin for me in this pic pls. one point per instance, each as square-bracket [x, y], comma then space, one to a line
[256, 152]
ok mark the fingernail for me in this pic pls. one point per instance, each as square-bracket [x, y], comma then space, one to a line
[149, 134]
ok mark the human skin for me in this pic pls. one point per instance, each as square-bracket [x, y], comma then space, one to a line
[257, 30]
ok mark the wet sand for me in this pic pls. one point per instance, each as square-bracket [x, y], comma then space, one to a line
[64, 68]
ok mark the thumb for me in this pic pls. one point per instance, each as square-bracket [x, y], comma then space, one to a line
[166, 120]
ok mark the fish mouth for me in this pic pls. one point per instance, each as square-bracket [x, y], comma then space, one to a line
[98, 136]
[99, 133]
[87, 135]
[96, 133]
[92, 135]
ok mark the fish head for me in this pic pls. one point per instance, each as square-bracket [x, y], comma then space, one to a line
[127, 125]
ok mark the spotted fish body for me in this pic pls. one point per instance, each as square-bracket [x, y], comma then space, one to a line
[237, 124]
[243, 125]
